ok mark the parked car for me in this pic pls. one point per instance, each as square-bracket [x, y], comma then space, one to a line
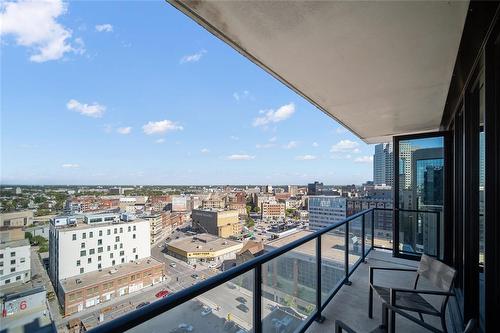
[231, 285]
[186, 327]
[206, 311]
[195, 276]
[243, 307]
[142, 304]
[241, 299]
[162, 293]
[173, 264]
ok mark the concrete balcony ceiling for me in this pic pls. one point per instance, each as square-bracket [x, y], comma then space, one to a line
[379, 68]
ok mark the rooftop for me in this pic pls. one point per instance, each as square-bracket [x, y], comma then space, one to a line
[332, 245]
[207, 242]
[83, 225]
[96, 277]
[15, 243]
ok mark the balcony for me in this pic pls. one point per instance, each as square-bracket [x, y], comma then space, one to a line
[292, 285]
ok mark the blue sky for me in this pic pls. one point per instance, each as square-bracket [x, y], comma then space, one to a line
[137, 93]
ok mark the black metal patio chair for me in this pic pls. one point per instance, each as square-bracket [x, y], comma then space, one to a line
[440, 275]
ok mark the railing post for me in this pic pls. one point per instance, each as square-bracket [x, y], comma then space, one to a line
[373, 228]
[438, 234]
[346, 252]
[319, 317]
[257, 299]
[363, 235]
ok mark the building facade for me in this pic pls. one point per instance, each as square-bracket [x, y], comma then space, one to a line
[16, 219]
[90, 289]
[79, 248]
[221, 223]
[325, 211]
[15, 255]
[272, 210]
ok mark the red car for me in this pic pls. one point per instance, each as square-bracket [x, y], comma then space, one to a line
[161, 293]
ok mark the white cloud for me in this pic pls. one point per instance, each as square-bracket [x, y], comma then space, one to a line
[70, 166]
[245, 94]
[124, 130]
[90, 110]
[235, 138]
[271, 116]
[162, 140]
[195, 57]
[341, 130]
[345, 146]
[205, 151]
[305, 157]
[315, 144]
[273, 139]
[34, 25]
[364, 159]
[104, 27]
[238, 157]
[161, 127]
[290, 145]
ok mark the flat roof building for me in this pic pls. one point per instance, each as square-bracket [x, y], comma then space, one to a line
[218, 222]
[203, 247]
[272, 210]
[87, 290]
[16, 219]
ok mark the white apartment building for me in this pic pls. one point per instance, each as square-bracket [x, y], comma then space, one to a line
[15, 265]
[79, 248]
[325, 211]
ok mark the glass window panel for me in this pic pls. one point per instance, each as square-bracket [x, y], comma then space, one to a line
[332, 261]
[226, 308]
[289, 289]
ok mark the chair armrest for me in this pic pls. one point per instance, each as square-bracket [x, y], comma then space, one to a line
[410, 317]
[393, 269]
[373, 268]
[422, 291]
[340, 326]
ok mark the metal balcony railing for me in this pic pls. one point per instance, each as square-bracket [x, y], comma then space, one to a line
[357, 238]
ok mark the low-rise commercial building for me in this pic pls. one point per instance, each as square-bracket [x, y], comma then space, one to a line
[218, 222]
[87, 290]
[203, 248]
[26, 311]
[16, 219]
[15, 255]
[272, 210]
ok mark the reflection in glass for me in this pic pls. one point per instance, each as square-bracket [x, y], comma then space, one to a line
[421, 188]
[289, 289]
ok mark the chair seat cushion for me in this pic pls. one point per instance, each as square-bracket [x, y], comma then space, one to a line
[407, 301]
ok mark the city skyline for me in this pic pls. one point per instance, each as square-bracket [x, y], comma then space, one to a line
[106, 106]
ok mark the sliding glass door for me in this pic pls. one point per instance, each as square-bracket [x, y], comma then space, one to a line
[419, 194]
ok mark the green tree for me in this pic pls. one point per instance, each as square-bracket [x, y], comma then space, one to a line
[250, 222]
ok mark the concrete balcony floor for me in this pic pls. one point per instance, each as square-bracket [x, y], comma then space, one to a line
[351, 302]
